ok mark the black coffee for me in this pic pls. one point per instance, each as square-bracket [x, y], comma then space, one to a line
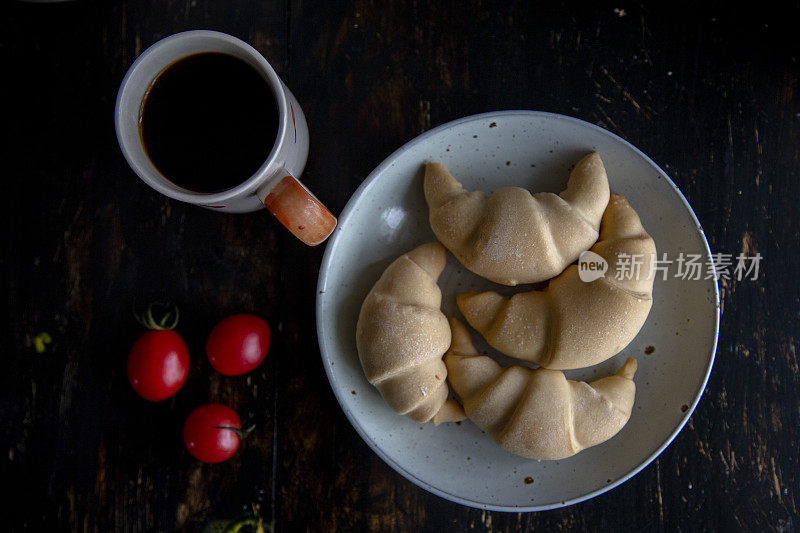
[208, 122]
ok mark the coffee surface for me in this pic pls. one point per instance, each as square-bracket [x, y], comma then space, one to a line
[208, 122]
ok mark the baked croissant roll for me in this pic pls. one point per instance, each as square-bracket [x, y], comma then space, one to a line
[573, 323]
[401, 336]
[511, 236]
[538, 414]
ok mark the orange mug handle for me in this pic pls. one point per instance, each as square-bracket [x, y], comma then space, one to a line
[300, 211]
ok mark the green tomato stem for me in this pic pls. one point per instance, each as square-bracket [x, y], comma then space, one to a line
[167, 320]
[241, 432]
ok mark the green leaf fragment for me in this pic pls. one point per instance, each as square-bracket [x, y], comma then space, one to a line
[40, 341]
[246, 525]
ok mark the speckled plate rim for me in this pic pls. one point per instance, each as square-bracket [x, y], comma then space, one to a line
[330, 252]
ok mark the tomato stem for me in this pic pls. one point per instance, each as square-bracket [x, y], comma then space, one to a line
[168, 319]
[241, 432]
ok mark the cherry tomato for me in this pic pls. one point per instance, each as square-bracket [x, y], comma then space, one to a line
[211, 433]
[238, 344]
[158, 364]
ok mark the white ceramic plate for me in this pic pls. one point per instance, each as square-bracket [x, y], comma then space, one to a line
[387, 216]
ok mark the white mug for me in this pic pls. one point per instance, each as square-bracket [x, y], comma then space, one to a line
[274, 185]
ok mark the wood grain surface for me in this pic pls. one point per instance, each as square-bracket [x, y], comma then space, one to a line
[709, 93]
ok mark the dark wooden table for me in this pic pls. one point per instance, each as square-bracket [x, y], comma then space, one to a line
[710, 94]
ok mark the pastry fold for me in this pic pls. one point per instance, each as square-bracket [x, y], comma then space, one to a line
[402, 334]
[537, 414]
[575, 323]
[511, 236]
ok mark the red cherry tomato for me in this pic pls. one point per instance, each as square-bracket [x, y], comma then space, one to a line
[211, 433]
[158, 364]
[238, 344]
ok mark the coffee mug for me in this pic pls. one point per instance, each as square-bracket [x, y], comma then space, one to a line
[274, 185]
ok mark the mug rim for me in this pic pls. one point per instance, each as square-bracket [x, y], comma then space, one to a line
[148, 171]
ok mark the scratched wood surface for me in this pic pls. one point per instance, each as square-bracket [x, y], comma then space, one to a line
[710, 94]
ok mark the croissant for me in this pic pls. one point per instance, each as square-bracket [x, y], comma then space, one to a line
[401, 336]
[513, 237]
[573, 323]
[538, 414]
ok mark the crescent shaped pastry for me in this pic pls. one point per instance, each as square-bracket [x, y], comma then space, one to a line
[538, 414]
[511, 236]
[575, 323]
[402, 334]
